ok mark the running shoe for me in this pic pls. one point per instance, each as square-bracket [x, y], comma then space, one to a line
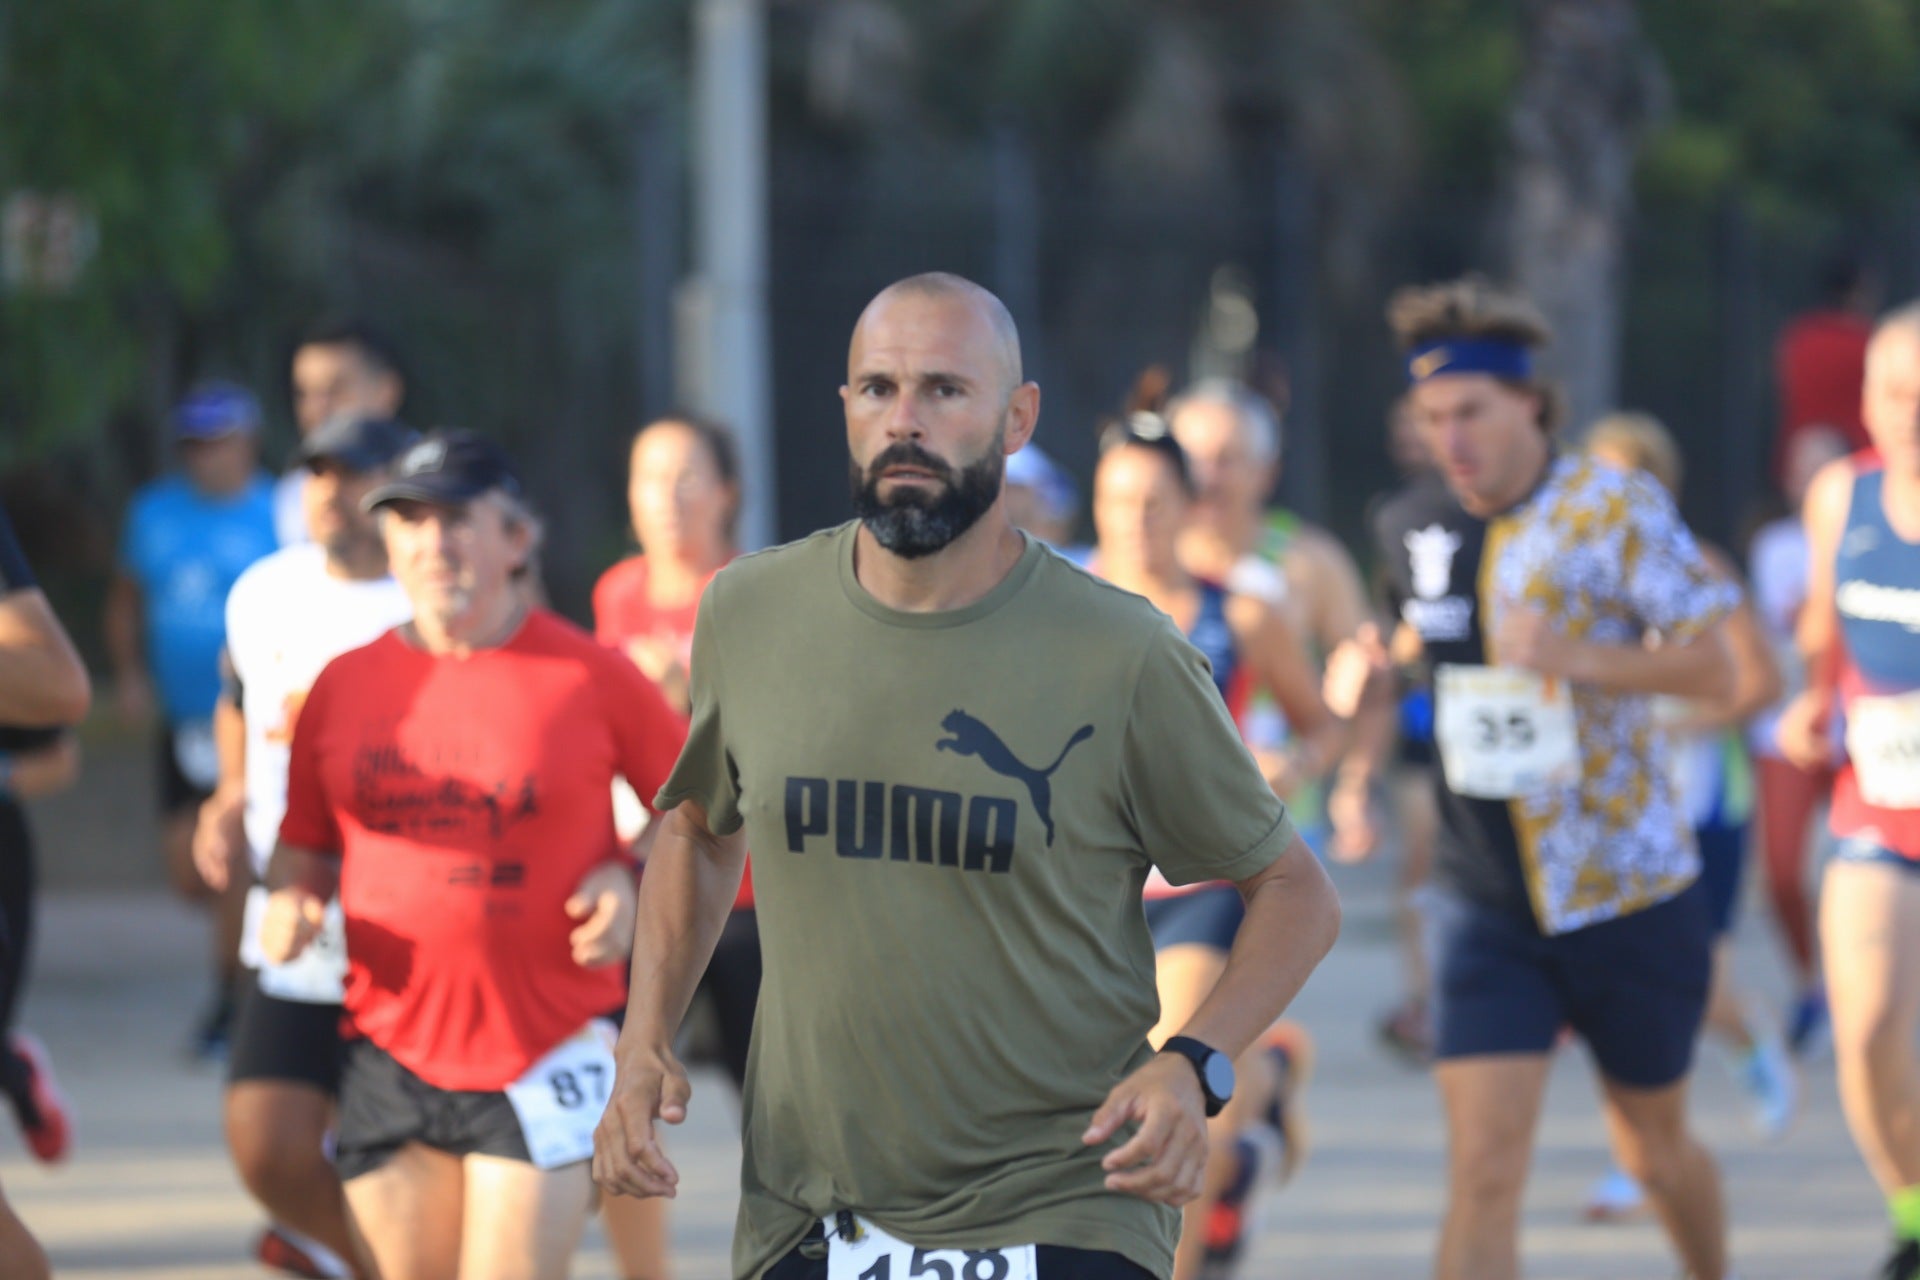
[45, 1118]
[1229, 1219]
[1767, 1074]
[1903, 1263]
[1408, 1032]
[1615, 1198]
[288, 1252]
[1809, 1033]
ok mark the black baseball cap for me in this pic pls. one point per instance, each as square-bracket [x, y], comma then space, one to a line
[449, 469]
[360, 444]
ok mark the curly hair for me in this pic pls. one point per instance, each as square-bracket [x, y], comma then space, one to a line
[1475, 307]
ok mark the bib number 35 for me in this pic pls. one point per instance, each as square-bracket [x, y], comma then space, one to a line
[875, 1255]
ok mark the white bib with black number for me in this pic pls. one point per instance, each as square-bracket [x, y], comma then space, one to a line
[1883, 741]
[1503, 732]
[560, 1098]
[318, 975]
[874, 1255]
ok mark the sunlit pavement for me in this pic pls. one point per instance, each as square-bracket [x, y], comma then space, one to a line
[148, 1192]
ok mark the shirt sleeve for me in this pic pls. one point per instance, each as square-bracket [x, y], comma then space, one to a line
[1199, 804]
[706, 773]
[15, 573]
[603, 608]
[310, 822]
[649, 733]
[1669, 584]
[1389, 579]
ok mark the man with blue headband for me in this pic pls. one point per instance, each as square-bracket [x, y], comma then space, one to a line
[1553, 598]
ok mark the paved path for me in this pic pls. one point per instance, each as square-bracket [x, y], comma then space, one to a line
[149, 1193]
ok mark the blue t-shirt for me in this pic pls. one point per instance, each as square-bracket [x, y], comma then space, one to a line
[185, 550]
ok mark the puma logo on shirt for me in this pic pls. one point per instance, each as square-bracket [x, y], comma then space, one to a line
[906, 823]
[972, 737]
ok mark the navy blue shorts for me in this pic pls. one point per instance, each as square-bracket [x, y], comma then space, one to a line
[1634, 988]
[1208, 917]
[1723, 857]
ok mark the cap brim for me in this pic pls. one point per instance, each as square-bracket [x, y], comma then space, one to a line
[440, 495]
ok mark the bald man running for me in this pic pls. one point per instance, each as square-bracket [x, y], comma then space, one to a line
[947, 747]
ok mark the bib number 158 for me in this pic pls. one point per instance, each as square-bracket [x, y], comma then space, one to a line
[943, 1264]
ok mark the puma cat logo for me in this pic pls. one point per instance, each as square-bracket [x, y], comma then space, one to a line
[971, 737]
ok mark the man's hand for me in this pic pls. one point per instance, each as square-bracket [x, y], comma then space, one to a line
[220, 837]
[628, 1159]
[659, 661]
[1165, 1161]
[1352, 668]
[1526, 637]
[292, 920]
[604, 903]
[1805, 734]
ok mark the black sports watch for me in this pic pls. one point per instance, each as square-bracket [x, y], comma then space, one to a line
[1214, 1068]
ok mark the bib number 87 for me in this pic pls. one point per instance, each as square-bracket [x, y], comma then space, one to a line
[988, 1265]
[569, 1094]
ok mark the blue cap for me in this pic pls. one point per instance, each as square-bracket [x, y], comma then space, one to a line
[448, 469]
[357, 443]
[215, 409]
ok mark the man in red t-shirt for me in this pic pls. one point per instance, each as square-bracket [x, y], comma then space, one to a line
[1820, 360]
[451, 782]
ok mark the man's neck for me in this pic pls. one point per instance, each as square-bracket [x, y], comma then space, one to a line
[1539, 455]
[471, 631]
[676, 577]
[1163, 587]
[963, 572]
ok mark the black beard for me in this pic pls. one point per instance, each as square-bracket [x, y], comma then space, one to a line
[912, 524]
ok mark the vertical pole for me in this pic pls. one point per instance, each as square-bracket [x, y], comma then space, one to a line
[730, 243]
[1304, 470]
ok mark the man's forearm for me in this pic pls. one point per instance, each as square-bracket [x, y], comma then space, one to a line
[691, 880]
[42, 681]
[1701, 668]
[1293, 917]
[230, 744]
[294, 867]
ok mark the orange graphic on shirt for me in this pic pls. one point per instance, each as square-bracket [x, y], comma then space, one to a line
[282, 733]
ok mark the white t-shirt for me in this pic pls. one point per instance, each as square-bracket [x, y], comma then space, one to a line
[1778, 567]
[287, 618]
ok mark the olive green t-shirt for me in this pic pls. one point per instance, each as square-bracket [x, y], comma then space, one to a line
[951, 816]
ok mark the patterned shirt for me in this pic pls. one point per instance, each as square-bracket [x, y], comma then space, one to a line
[1605, 555]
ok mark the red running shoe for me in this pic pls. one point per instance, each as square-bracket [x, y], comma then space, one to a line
[280, 1251]
[49, 1130]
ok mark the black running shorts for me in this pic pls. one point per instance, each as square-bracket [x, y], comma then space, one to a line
[285, 1040]
[384, 1106]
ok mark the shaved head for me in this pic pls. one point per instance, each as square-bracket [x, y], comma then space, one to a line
[945, 286]
[1898, 327]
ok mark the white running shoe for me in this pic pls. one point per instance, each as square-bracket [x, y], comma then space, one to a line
[1773, 1087]
[1615, 1198]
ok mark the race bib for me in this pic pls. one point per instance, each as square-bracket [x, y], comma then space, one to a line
[560, 1098]
[872, 1254]
[195, 755]
[1883, 741]
[1503, 732]
[317, 975]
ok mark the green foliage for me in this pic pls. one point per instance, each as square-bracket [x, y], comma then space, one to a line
[1811, 106]
[228, 148]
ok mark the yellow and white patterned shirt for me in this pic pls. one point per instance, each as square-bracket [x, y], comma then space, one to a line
[1606, 556]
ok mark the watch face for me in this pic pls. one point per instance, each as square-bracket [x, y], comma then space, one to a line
[1219, 1071]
